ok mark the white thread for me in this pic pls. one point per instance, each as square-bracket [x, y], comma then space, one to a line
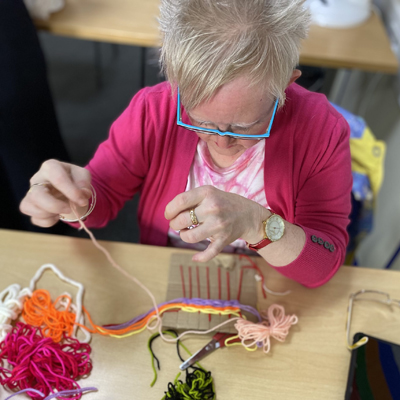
[259, 279]
[77, 309]
[11, 304]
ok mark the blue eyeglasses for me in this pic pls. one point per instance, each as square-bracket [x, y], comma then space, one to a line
[218, 132]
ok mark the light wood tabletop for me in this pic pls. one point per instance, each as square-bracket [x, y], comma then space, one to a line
[134, 22]
[311, 364]
[364, 47]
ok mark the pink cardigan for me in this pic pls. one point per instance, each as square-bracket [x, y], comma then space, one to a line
[307, 173]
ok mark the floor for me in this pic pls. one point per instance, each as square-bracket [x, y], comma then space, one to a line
[92, 83]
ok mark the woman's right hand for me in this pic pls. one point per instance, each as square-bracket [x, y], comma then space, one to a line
[61, 183]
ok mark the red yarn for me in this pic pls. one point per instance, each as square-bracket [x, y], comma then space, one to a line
[39, 363]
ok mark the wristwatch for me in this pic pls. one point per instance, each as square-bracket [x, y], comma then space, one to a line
[273, 228]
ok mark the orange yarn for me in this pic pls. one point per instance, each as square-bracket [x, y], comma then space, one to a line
[41, 312]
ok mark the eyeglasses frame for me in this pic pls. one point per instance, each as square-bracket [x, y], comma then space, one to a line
[218, 132]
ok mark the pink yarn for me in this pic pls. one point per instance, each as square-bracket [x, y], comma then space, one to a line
[276, 325]
[39, 363]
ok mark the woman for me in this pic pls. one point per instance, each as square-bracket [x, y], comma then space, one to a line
[230, 147]
[27, 115]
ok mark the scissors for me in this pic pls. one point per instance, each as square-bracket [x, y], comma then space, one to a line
[217, 342]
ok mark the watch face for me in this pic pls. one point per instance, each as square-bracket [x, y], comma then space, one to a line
[275, 227]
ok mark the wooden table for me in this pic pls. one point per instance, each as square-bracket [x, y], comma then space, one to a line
[364, 47]
[311, 364]
[134, 22]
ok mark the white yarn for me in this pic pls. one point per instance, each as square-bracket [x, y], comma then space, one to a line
[75, 308]
[11, 304]
[41, 9]
[259, 279]
[12, 301]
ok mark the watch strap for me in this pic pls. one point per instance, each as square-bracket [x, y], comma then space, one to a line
[261, 244]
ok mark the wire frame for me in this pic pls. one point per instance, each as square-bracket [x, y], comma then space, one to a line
[378, 297]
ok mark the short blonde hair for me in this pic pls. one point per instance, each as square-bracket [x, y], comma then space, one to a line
[208, 43]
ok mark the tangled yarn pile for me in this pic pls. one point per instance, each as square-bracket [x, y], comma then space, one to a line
[38, 362]
[198, 385]
[56, 320]
[11, 304]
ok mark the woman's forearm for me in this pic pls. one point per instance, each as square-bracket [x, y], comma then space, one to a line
[286, 249]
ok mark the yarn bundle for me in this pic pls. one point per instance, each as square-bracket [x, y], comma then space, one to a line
[41, 356]
[272, 323]
[56, 320]
[40, 363]
[59, 395]
[11, 304]
[45, 359]
[198, 384]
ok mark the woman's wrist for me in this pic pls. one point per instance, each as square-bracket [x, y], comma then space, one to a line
[255, 232]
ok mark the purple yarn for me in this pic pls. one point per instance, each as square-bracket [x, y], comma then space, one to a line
[24, 391]
[140, 317]
[195, 301]
[69, 392]
[54, 395]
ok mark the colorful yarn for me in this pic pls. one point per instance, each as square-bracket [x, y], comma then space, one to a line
[272, 323]
[54, 395]
[39, 311]
[212, 304]
[179, 344]
[76, 309]
[11, 303]
[257, 334]
[39, 363]
[276, 324]
[198, 384]
[140, 323]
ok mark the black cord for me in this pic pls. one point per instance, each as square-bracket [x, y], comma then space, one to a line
[155, 337]
[192, 378]
[152, 352]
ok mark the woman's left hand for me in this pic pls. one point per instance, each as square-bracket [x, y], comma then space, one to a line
[223, 217]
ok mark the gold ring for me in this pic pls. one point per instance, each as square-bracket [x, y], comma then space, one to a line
[38, 184]
[193, 217]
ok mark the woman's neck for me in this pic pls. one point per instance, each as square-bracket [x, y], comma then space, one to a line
[222, 161]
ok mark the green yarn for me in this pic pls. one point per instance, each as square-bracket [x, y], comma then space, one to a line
[198, 385]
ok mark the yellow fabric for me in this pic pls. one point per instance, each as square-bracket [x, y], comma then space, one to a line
[367, 157]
